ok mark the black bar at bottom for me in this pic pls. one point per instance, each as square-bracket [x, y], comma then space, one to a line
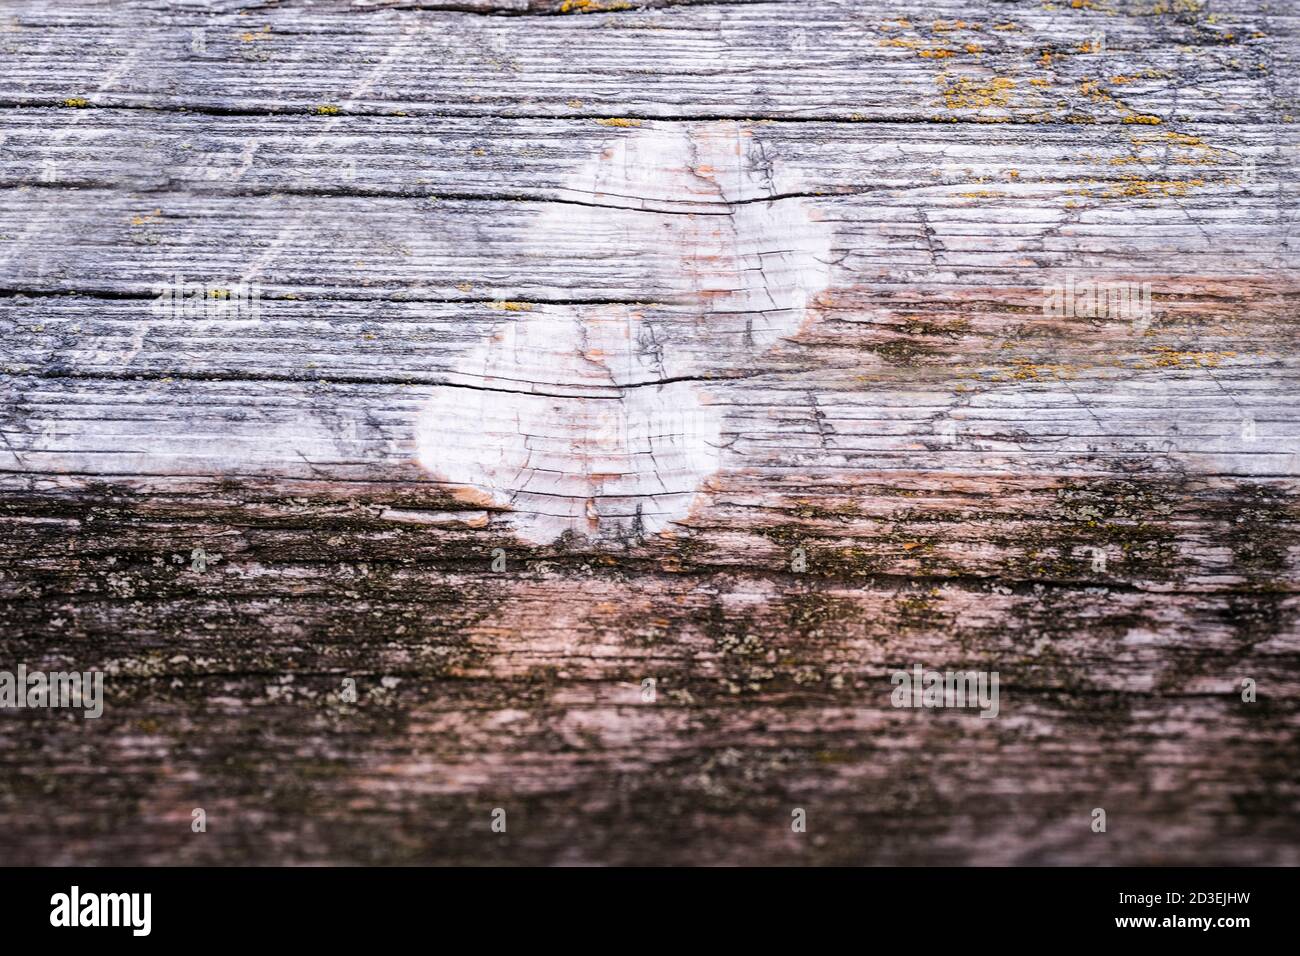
[334, 907]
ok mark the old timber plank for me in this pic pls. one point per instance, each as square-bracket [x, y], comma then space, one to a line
[695, 342]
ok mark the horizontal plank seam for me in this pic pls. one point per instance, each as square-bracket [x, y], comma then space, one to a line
[850, 120]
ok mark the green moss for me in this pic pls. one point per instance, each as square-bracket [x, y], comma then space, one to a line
[1130, 521]
[920, 607]
[902, 352]
[952, 329]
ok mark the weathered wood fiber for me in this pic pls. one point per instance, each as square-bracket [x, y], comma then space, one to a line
[805, 60]
[649, 300]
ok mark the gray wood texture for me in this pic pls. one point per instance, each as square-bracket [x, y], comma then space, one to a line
[653, 300]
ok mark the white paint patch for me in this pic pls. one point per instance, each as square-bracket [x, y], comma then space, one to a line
[564, 415]
[593, 466]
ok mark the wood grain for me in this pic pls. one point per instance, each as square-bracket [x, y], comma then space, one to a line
[647, 301]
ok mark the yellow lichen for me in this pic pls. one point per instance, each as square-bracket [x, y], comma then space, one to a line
[1177, 6]
[1147, 74]
[1142, 188]
[618, 121]
[1094, 92]
[1165, 357]
[76, 102]
[593, 6]
[1092, 89]
[512, 306]
[1026, 370]
[967, 93]
[327, 109]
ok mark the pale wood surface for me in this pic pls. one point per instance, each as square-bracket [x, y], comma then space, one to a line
[649, 297]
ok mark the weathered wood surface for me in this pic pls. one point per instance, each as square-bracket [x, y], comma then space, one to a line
[649, 298]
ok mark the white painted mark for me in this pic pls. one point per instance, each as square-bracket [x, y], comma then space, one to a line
[563, 416]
